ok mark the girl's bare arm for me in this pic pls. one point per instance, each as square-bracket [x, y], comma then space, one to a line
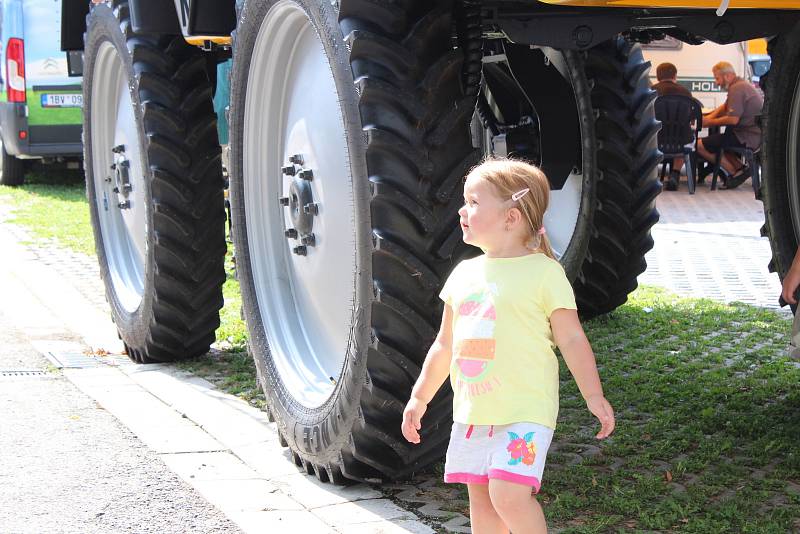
[571, 340]
[437, 363]
[434, 373]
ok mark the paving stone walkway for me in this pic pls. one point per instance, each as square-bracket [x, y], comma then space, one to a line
[709, 245]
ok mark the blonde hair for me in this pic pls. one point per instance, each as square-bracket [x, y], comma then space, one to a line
[509, 176]
[722, 67]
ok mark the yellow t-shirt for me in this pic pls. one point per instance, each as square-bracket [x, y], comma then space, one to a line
[503, 368]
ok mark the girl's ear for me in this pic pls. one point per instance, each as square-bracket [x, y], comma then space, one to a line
[513, 217]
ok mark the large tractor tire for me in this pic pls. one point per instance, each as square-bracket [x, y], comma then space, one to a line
[596, 120]
[12, 170]
[154, 183]
[351, 134]
[780, 187]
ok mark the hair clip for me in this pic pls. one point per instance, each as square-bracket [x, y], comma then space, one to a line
[541, 231]
[519, 194]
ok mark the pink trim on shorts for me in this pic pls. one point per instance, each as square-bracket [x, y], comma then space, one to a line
[466, 478]
[500, 474]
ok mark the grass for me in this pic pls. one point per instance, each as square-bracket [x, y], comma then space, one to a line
[232, 332]
[708, 411]
[708, 406]
[52, 207]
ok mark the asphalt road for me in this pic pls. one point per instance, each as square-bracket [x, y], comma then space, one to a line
[66, 464]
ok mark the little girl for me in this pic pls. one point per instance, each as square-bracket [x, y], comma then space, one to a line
[504, 312]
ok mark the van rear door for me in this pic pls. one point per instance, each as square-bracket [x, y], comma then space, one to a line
[54, 99]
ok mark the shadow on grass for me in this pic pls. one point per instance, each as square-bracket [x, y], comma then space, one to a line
[47, 175]
[63, 185]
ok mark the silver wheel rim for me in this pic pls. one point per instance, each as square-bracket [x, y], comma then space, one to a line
[305, 302]
[561, 217]
[123, 229]
[563, 211]
[792, 164]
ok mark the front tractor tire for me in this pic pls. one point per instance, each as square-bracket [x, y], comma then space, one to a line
[154, 184]
[349, 141]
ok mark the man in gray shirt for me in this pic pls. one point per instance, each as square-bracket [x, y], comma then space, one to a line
[738, 114]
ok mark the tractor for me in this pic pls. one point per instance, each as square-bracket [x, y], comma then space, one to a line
[352, 125]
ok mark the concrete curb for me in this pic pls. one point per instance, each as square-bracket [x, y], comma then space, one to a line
[229, 452]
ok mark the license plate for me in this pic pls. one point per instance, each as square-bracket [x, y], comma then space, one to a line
[66, 100]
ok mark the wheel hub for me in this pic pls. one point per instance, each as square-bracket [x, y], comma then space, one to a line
[122, 177]
[302, 208]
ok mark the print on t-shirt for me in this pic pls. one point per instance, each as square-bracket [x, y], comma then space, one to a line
[475, 351]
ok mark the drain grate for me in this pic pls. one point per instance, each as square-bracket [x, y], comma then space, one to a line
[71, 355]
[21, 373]
[78, 360]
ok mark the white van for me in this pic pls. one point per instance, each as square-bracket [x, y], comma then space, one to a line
[40, 103]
[694, 63]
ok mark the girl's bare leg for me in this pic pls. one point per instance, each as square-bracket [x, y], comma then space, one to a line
[482, 515]
[518, 509]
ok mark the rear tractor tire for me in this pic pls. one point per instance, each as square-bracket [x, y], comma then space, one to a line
[596, 141]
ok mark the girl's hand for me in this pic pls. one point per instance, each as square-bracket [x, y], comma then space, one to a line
[790, 284]
[601, 409]
[412, 416]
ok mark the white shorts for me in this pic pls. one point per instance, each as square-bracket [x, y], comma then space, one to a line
[515, 453]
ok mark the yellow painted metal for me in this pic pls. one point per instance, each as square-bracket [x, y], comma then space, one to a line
[199, 40]
[757, 47]
[691, 4]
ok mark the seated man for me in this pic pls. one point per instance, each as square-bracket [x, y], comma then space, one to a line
[738, 114]
[667, 75]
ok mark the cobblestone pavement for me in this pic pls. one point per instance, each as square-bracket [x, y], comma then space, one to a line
[706, 245]
[709, 245]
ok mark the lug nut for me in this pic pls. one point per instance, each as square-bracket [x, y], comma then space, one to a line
[292, 233]
[289, 170]
[113, 166]
[124, 205]
[284, 201]
[311, 208]
[306, 174]
[108, 179]
[297, 159]
[300, 250]
[309, 240]
[118, 149]
[116, 189]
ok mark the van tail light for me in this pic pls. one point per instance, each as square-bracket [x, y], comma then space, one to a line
[15, 70]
